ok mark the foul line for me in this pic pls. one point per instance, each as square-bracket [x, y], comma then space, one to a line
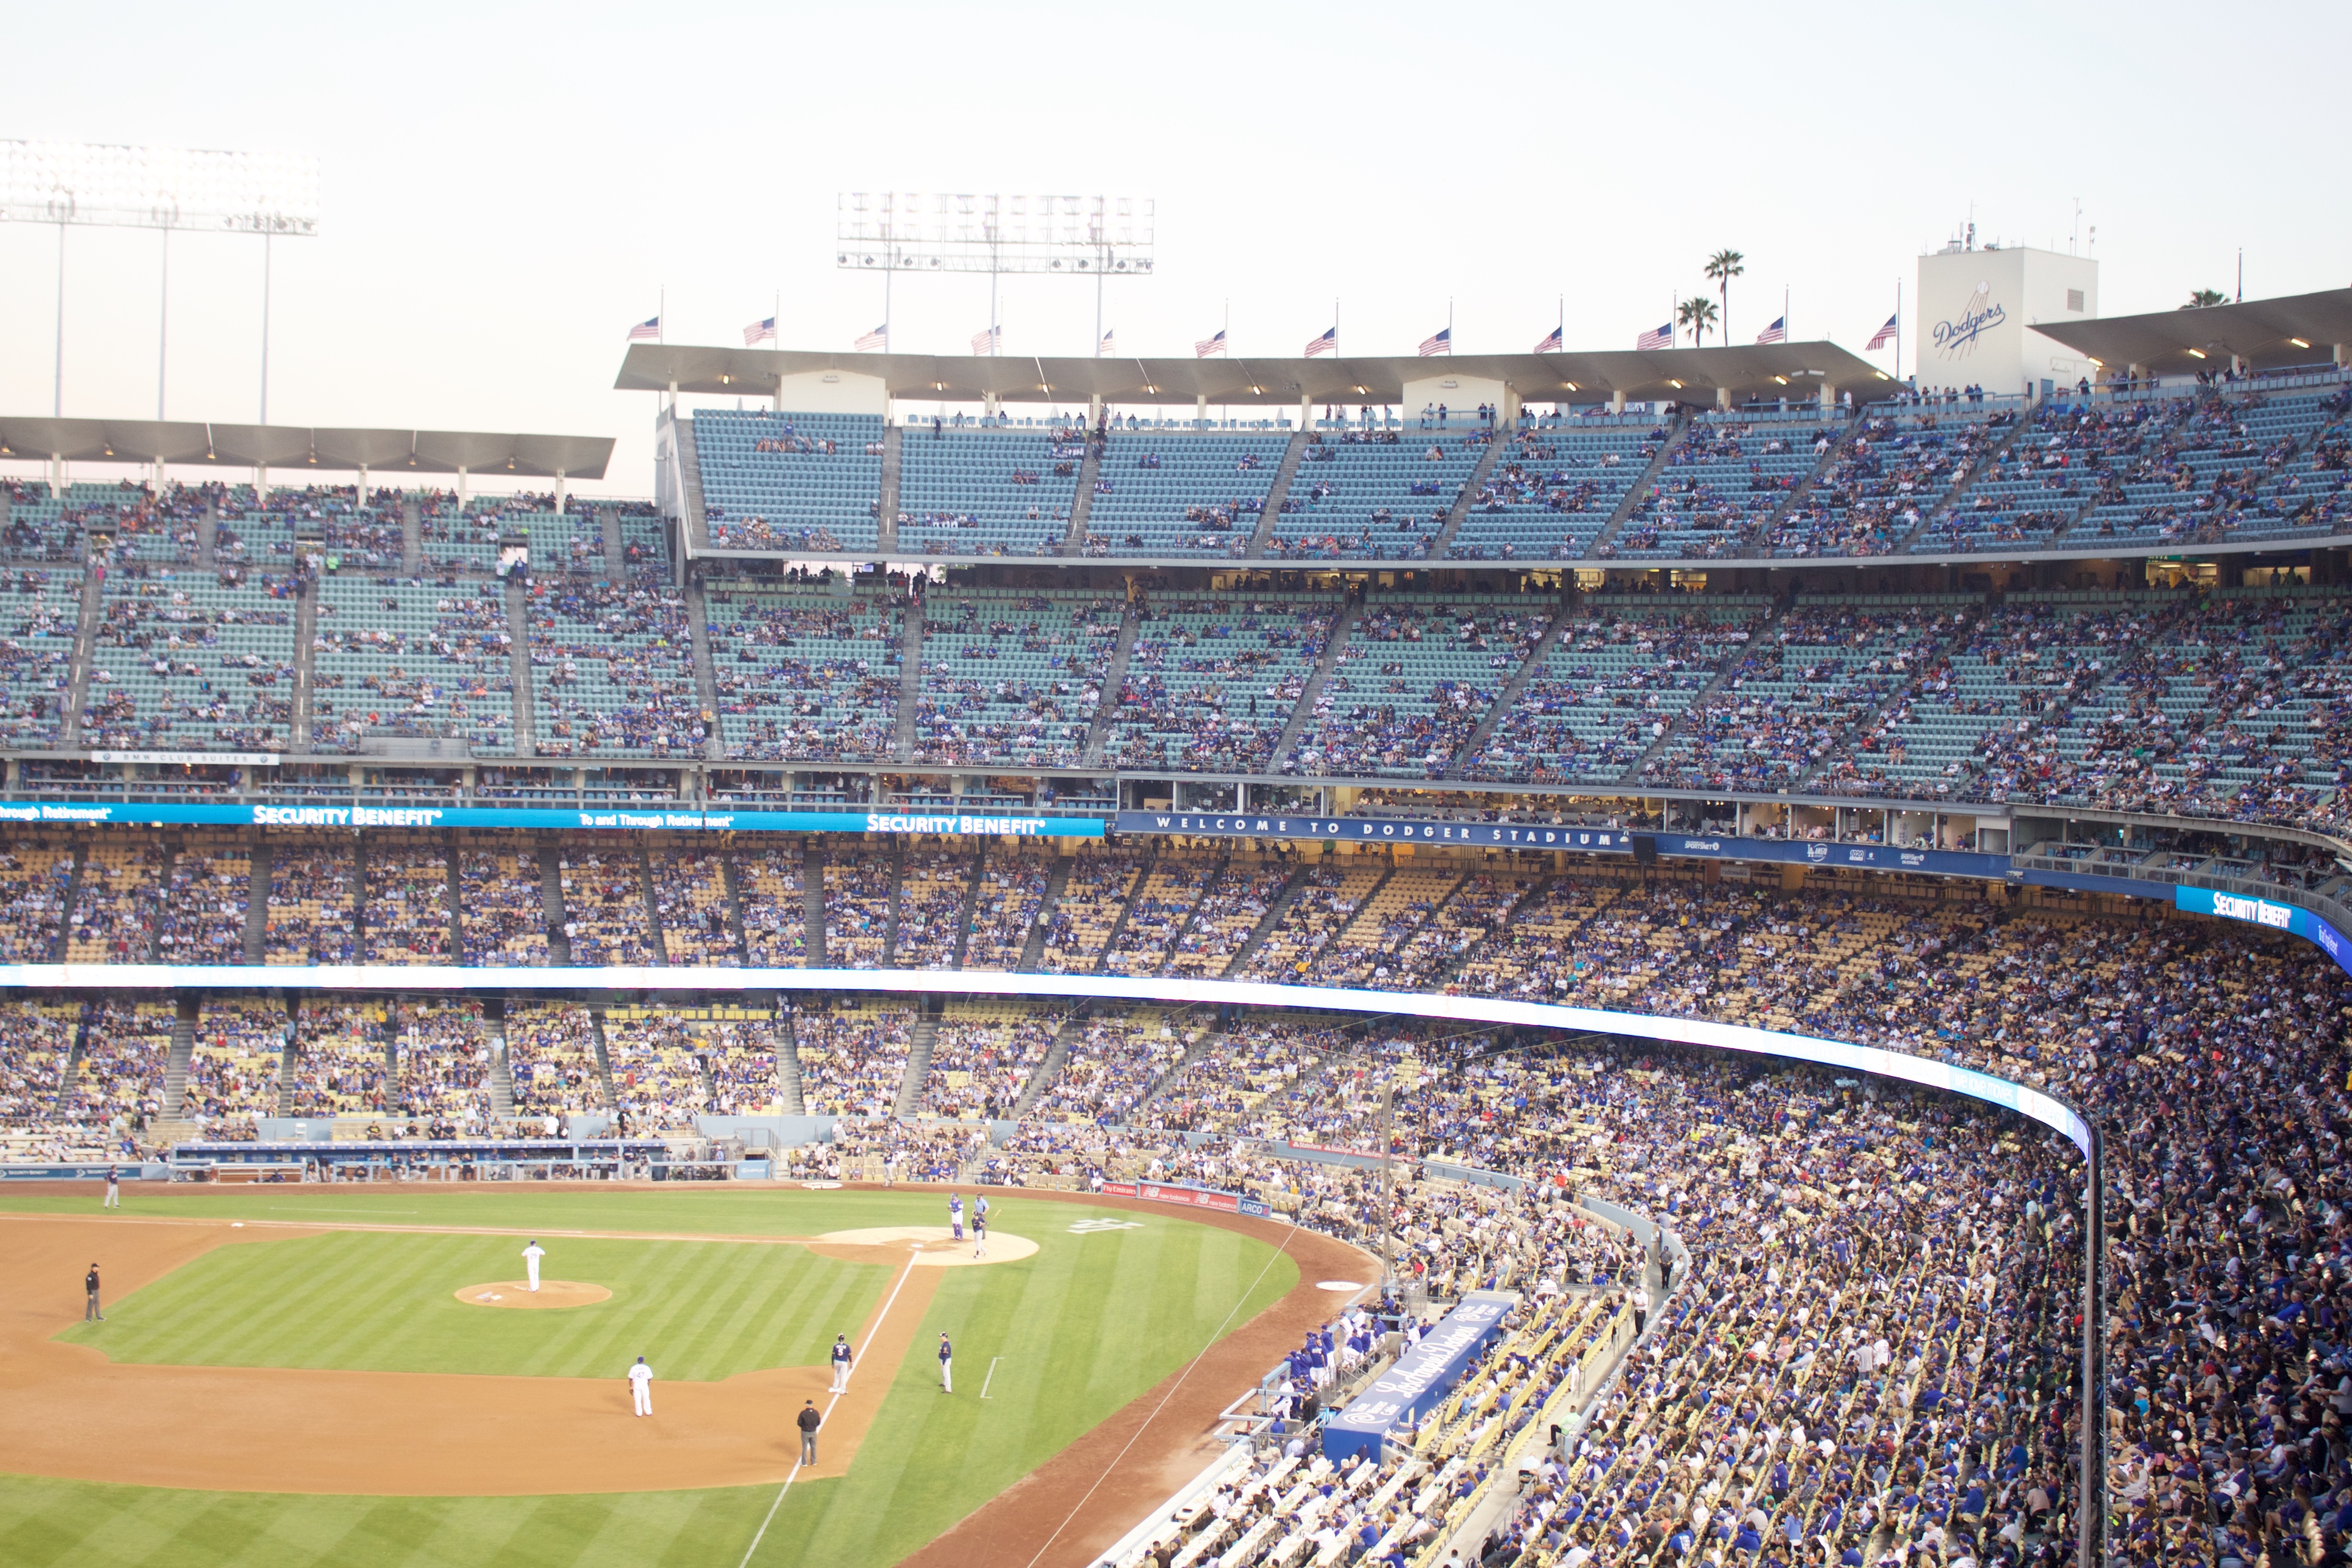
[990, 1377]
[1145, 1425]
[761, 1533]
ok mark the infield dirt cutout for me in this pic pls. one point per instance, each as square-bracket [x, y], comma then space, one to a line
[552, 1293]
[931, 1245]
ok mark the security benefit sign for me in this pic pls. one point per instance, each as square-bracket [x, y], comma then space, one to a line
[1421, 1377]
[2292, 919]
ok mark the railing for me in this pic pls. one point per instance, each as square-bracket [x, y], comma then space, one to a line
[2327, 908]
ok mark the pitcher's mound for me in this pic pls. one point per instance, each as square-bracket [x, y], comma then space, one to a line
[933, 1245]
[517, 1293]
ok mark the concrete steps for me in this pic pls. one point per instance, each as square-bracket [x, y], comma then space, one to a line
[1279, 491]
[920, 1043]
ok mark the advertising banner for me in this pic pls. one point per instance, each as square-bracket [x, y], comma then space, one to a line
[1421, 1378]
[1190, 1197]
[1803, 852]
[1378, 830]
[1543, 835]
[2290, 918]
[623, 818]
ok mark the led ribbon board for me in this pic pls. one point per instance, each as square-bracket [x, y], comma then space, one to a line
[624, 818]
[411, 979]
[2290, 918]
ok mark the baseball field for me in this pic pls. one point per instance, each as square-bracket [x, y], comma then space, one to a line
[341, 1374]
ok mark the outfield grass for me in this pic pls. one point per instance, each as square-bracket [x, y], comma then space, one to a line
[1090, 1323]
[377, 1302]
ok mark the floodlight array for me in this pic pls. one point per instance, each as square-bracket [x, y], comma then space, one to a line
[913, 231]
[158, 188]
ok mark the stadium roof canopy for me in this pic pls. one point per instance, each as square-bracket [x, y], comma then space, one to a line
[1686, 376]
[2269, 334]
[178, 441]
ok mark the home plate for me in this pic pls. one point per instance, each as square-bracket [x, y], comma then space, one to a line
[1338, 1285]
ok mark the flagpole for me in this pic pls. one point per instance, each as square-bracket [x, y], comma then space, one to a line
[1898, 330]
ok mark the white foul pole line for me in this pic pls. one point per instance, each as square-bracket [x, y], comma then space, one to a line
[762, 1532]
[992, 1375]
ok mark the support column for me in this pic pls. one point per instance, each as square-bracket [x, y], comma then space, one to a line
[562, 492]
[1617, 403]
[1829, 397]
[1200, 412]
[1511, 409]
[1306, 412]
[1094, 410]
[360, 494]
[1723, 398]
[461, 487]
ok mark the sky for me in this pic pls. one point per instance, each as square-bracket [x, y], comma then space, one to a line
[507, 188]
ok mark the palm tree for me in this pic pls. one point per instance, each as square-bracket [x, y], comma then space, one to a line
[1723, 266]
[2200, 298]
[1697, 313]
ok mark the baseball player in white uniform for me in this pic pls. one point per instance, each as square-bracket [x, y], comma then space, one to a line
[980, 1228]
[530, 1256]
[641, 1387]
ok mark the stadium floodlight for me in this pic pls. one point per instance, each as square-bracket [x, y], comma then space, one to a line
[892, 232]
[101, 186]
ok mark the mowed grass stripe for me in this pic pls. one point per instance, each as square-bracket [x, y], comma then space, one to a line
[699, 1310]
[724, 1208]
[90, 1525]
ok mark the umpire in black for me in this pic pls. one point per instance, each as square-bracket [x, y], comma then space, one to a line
[89, 1313]
[809, 1422]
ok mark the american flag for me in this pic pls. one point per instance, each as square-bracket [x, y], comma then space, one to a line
[1552, 343]
[760, 332]
[1329, 343]
[1777, 332]
[879, 338]
[1884, 334]
[1657, 338]
[1109, 348]
[648, 331]
[1440, 342]
[986, 340]
[1203, 347]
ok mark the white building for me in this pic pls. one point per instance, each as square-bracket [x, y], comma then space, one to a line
[1976, 311]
